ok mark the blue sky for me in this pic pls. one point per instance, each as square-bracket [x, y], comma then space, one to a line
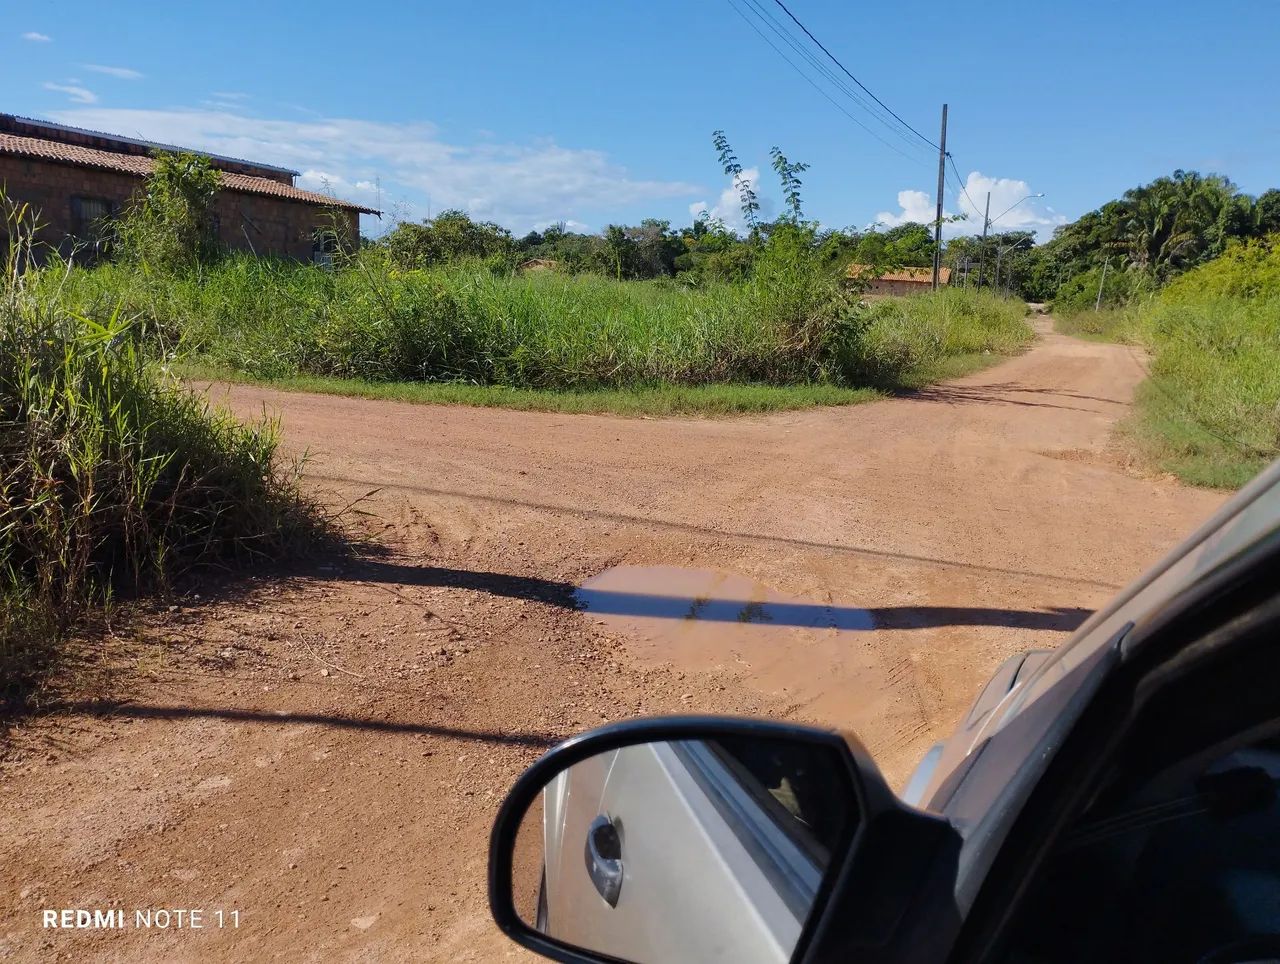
[601, 111]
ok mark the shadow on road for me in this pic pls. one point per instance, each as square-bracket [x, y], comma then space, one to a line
[144, 711]
[711, 608]
[997, 394]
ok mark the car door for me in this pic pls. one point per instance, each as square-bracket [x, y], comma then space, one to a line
[697, 840]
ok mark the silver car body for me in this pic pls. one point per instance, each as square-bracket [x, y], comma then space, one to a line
[698, 849]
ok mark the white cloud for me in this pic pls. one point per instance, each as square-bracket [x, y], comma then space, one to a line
[915, 206]
[229, 95]
[121, 73]
[40, 38]
[1006, 193]
[569, 225]
[79, 95]
[728, 207]
[518, 185]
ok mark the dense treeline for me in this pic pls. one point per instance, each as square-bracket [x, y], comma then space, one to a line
[704, 252]
[1145, 238]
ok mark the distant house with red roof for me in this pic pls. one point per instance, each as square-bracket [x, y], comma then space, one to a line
[900, 281]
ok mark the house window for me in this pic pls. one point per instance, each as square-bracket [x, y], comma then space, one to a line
[324, 246]
[91, 220]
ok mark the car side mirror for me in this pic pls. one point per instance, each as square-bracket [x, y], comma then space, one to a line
[682, 839]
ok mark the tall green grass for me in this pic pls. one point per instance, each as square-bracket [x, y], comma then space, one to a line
[1210, 411]
[909, 341]
[113, 479]
[1114, 324]
[463, 323]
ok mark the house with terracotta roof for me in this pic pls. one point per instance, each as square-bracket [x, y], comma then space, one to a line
[901, 281]
[79, 180]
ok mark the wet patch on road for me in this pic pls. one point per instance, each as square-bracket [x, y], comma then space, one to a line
[706, 620]
[626, 593]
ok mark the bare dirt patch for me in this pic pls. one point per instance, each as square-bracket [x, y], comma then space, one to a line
[324, 750]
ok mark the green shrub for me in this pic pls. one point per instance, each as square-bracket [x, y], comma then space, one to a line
[169, 226]
[1210, 412]
[1079, 293]
[789, 323]
[905, 341]
[1211, 409]
[1249, 270]
[113, 479]
[1115, 324]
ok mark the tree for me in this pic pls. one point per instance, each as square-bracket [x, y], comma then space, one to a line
[621, 249]
[1266, 214]
[712, 253]
[1159, 229]
[449, 236]
[749, 203]
[901, 246]
[169, 226]
[788, 173]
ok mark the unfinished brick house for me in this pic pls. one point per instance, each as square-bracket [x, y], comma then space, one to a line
[80, 180]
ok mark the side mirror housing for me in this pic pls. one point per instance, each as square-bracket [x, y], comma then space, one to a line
[708, 838]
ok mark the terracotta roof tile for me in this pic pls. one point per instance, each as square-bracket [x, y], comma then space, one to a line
[142, 166]
[924, 275]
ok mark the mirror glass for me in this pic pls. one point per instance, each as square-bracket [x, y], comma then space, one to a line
[706, 850]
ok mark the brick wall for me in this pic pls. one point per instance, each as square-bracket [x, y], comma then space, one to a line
[879, 287]
[265, 225]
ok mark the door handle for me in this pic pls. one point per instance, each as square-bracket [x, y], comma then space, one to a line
[603, 853]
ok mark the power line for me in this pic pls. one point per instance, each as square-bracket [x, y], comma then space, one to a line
[761, 13]
[814, 84]
[963, 189]
[761, 10]
[853, 78]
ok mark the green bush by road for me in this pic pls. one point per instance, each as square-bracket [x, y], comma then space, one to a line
[1210, 412]
[113, 479]
[462, 323]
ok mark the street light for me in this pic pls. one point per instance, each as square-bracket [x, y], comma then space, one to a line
[987, 221]
[1000, 252]
[1012, 206]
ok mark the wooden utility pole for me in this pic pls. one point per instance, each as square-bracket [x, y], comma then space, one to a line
[982, 252]
[937, 224]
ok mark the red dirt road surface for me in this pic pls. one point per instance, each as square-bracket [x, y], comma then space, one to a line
[323, 750]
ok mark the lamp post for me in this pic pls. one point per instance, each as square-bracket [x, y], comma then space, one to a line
[987, 221]
[1000, 252]
[1012, 206]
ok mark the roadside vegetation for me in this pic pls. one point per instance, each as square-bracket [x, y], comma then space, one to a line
[460, 325]
[114, 480]
[1210, 411]
[117, 480]
[460, 306]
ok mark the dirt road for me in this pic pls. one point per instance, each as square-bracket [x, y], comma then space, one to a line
[324, 752]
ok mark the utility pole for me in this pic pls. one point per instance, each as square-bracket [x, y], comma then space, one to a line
[937, 224]
[982, 252]
[1097, 305]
